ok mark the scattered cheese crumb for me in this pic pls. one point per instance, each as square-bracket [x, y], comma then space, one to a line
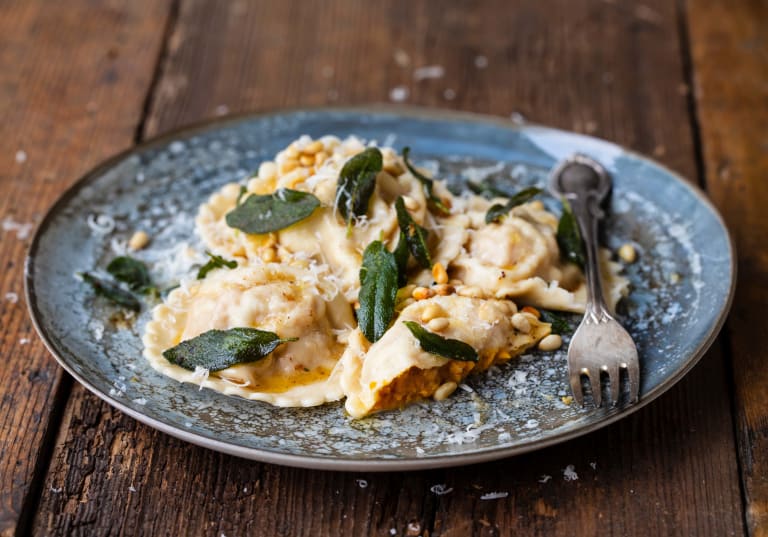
[428, 71]
[398, 94]
[132, 488]
[440, 489]
[466, 388]
[402, 58]
[569, 473]
[24, 341]
[517, 118]
[593, 465]
[101, 224]
[22, 229]
[481, 62]
[392, 531]
[56, 490]
[21, 156]
[140, 401]
[544, 478]
[362, 483]
[13, 298]
[419, 450]
[567, 399]
[494, 495]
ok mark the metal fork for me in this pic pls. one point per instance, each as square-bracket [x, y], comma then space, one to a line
[600, 344]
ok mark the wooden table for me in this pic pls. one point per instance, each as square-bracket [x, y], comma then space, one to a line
[685, 82]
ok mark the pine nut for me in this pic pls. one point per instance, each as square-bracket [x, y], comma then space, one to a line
[551, 343]
[138, 241]
[521, 323]
[439, 324]
[267, 170]
[439, 274]
[313, 148]
[289, 165]
[420, 293]
[444, 289]
[432, 311]
[444, 391]
[627, 253]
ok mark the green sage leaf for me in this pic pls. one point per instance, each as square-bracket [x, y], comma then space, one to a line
[357, 181]
[434, 203]
[112, 291]
[569, 237]
[487, 191]
[215, 350]
[415, 235]
[447, 348]
[131, 271]
[497, 211]
[402, 253]
[260, 214]
[215, 261]
[378, 289]
[559, 322]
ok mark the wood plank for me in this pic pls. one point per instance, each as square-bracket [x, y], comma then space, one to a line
[729, 41]
[600, 67]
[72, 85]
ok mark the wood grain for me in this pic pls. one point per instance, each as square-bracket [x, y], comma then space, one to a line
[606, 68]
[728, 46]
[72, 85]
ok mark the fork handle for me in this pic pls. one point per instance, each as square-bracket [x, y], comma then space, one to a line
[586, 209]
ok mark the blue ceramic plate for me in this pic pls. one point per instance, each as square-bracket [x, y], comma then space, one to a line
[682, 285]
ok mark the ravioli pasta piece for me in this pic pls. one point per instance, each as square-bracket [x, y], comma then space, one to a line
[396, 371]
[284, 299]
[518, 258]
[323, 236]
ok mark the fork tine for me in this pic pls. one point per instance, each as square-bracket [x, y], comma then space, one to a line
[614, 382]
[578, 395]
[594, 382]
[633, 375]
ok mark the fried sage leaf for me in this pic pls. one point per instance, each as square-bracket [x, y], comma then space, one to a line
[559, 323]
[447, 348]
[131, 271]
[378, 289]
[402, 253]
[357, 180]
[415, 235]
[569, 237]
[215, 261]
[435, 204]
[260, 214]
[215, 350]
[498, 211]
[112, 291]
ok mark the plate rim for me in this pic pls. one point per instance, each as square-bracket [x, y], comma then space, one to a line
[323, 462]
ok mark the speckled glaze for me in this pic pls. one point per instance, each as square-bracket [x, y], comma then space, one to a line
[682, 286]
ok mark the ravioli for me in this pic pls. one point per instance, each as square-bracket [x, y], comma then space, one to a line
[322, 237]
[285, 299]
[396, 371]
[518, 257]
